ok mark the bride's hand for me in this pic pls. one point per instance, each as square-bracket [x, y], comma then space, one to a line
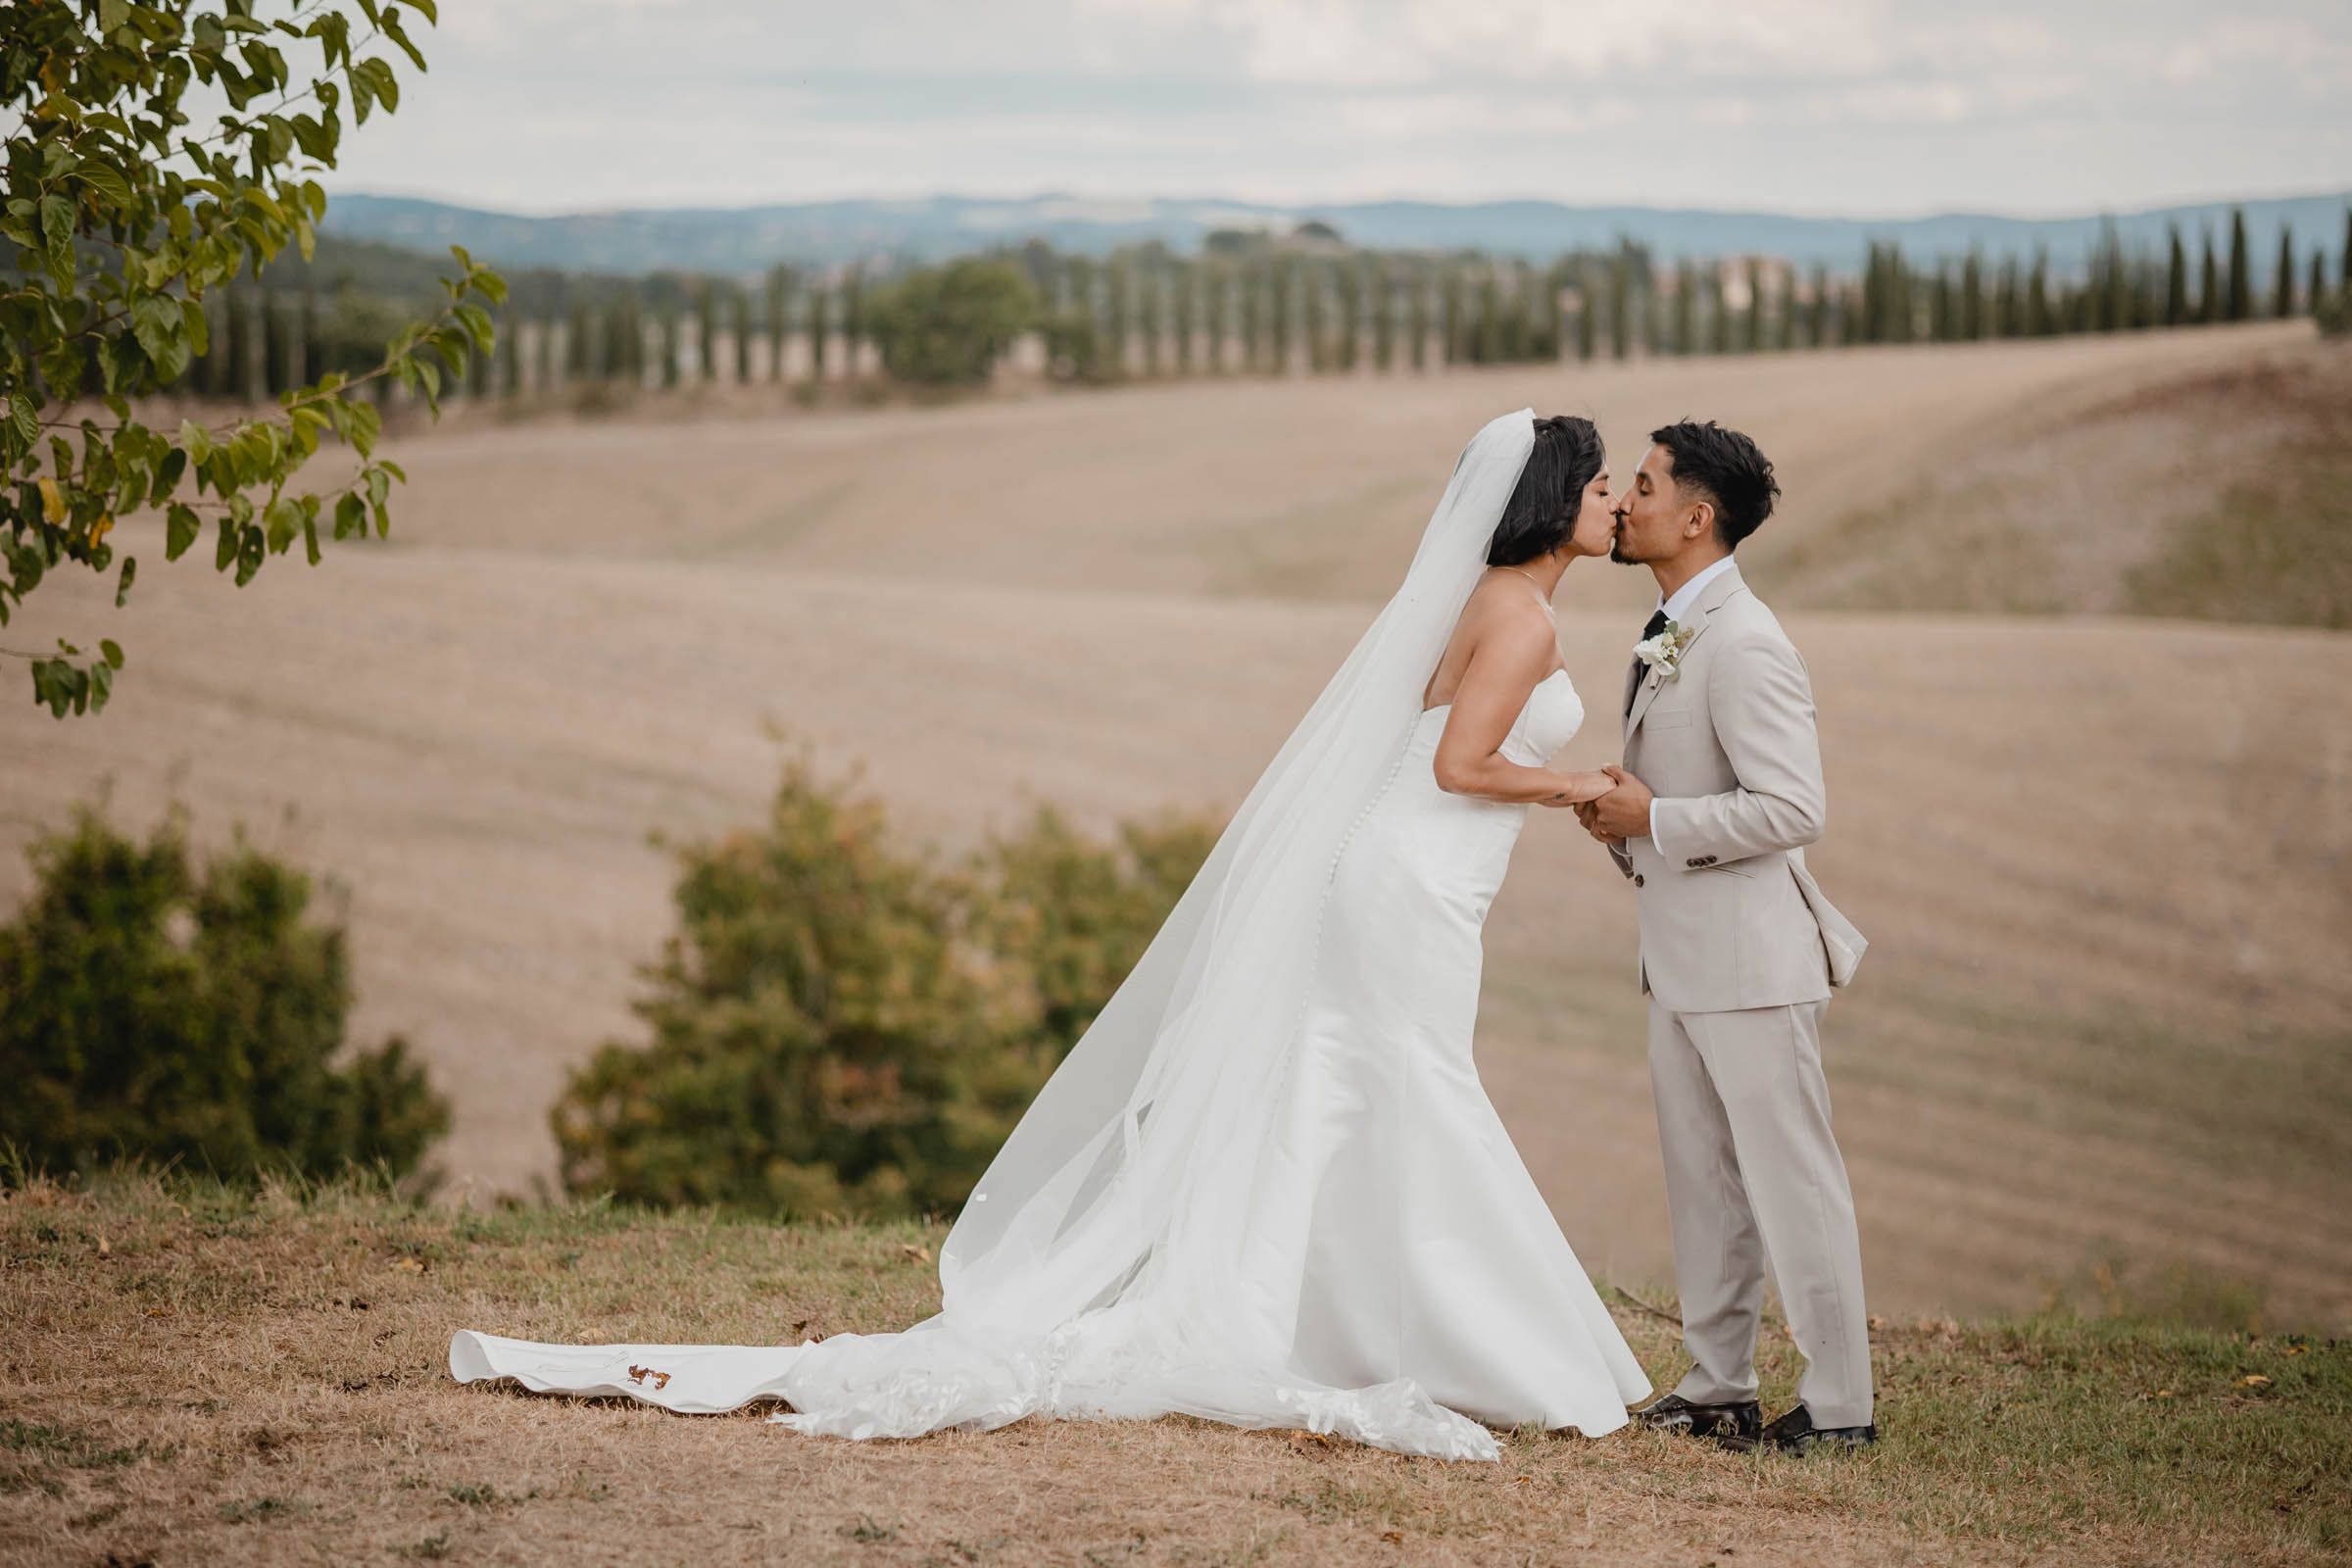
[1581, 787]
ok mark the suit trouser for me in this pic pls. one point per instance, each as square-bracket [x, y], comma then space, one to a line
[1751, 1171]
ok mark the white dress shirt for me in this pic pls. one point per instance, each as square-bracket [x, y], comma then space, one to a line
[1673, 605]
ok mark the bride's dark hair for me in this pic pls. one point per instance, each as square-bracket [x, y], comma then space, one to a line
[1542, 511]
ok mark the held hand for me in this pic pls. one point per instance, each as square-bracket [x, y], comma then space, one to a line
[1581, 788]
[1588, 812]
[1624, 812]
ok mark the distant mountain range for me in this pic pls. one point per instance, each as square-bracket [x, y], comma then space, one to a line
[748, 240]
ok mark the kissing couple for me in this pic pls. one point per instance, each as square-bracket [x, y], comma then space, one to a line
[1266, 1186]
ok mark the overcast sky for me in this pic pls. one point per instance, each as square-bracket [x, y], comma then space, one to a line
[1864, 107]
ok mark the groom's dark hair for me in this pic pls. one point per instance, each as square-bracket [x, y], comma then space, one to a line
[1729, 468]
[1567, 457]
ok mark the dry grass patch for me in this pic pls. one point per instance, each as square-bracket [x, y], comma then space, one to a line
[193, 1375]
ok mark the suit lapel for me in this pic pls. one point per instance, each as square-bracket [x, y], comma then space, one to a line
[1710, 600]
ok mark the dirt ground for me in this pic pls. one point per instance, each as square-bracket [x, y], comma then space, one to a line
[2102, 861]
[193, 1377]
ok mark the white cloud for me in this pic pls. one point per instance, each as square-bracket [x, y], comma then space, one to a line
[1865, 105]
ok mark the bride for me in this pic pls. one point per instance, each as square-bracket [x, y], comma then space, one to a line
[1265, 1187]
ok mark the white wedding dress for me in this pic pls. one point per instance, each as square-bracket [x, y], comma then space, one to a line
[1267, 1188]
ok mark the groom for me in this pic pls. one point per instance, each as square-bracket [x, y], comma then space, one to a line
[1720, 792]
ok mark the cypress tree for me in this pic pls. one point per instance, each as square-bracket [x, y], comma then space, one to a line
[1587, 309]
[703, 301]
[1416, 315]
[2283, 293]
[1941, 324]
[508, 349]
[1821, 306]
[1686, 291]
[2039, 322]
[2209, 295]
[1252, 306]
[1217, 309]
[1314, 326]
[779, 318]
[1755, 306]
[2241, 271]
[854, 322]
[2319, 281]
[821, 328]
[2175, 283]
[1972, 298]
[1620, 316]
[1184, 314]
[572, 366]
[739, 317]
[1450, 313]
[670, 335]
[543, 356]
[1719, 311]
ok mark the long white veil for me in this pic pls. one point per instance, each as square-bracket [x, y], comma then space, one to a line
[1136, 1245]
[1152, 1107]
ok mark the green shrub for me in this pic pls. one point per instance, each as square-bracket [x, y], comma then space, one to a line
[155, 1012]
[1070, 916]
[840, 1026]
[946, 325]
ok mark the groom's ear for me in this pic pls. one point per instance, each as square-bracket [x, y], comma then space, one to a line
[1702, 513]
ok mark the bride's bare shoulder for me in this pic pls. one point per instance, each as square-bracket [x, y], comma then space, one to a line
[1513, 622]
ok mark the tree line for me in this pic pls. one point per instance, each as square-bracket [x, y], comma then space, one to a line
[1252, 304]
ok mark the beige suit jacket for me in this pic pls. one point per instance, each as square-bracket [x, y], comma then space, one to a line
[1730, 917]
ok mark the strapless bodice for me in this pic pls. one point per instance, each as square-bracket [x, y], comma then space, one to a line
[1548, 720]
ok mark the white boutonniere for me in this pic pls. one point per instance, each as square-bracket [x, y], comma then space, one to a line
[1663, 654]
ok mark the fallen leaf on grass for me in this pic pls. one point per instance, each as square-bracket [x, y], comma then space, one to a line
[1394, 1538]
[922, 1255]
[2253, 1380]
[408, 1265]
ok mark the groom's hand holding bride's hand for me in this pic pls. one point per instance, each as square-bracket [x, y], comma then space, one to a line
[1620, 814]
[1581, 790]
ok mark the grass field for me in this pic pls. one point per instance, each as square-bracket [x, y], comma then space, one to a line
[2105, 860]
[192, 1376]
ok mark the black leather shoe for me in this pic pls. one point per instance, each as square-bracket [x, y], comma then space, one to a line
[1796, 1433]
[1673, 1414]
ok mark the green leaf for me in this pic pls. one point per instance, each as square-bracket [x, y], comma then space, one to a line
[156, 321]
[181, 528]
[197, 439]
[309, 539]
[366, 423]
[23, 425]
[112, 650]
[351, 515]
[108, 183]
[392, 30]
[131, 570]
[283, 518]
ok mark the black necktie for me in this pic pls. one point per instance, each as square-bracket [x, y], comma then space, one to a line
[1649, 628]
